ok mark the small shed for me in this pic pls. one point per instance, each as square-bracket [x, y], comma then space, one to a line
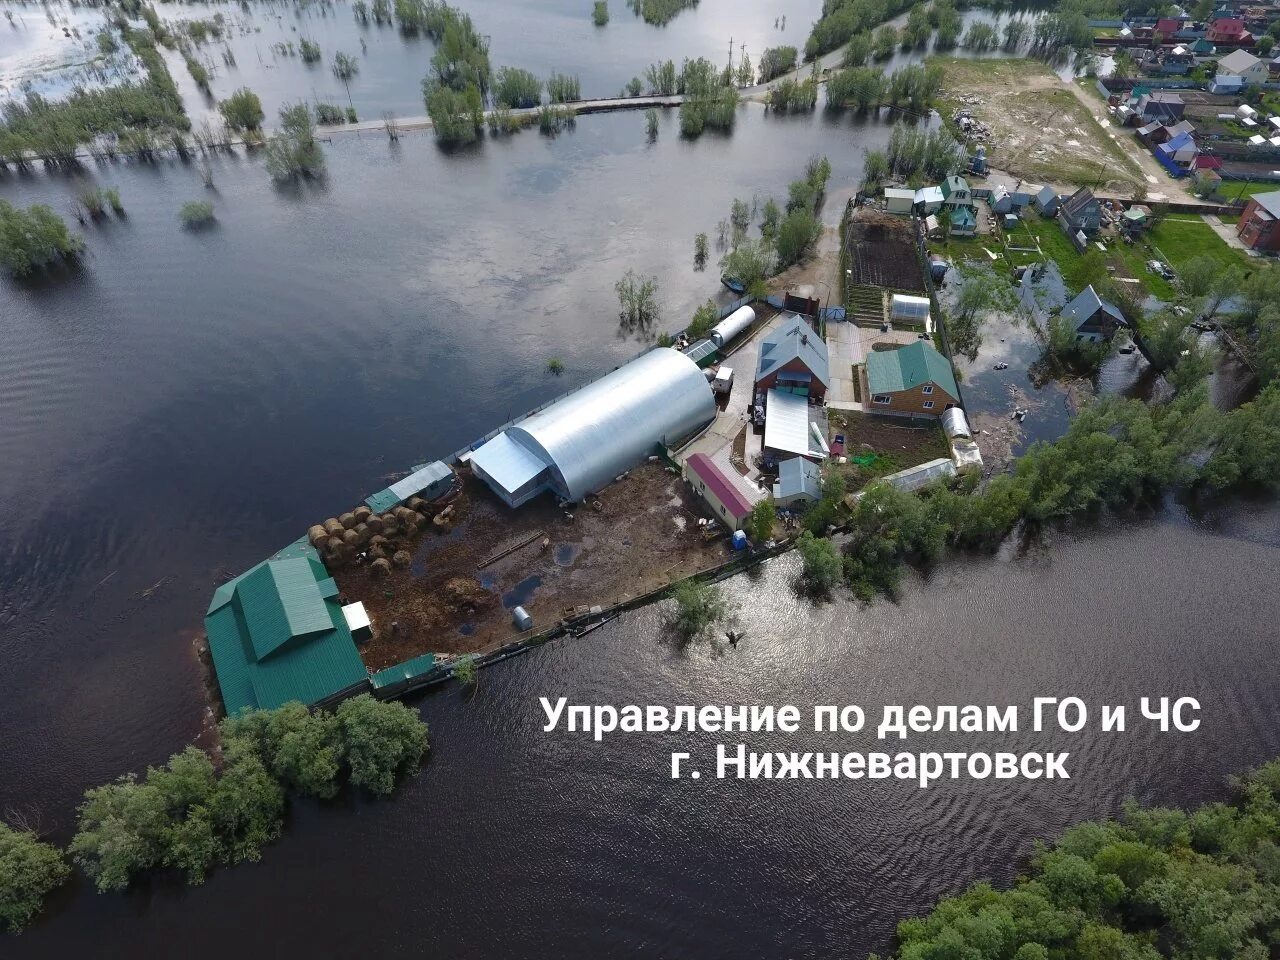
[1046, 201]
[1010, 221]
[703, 353]
[358, 621]
[929, 199]
[899, 200]
[963, 222]
[931, 226]
[428, 480]
[726, 501]
[799, 483]
[1000, 200]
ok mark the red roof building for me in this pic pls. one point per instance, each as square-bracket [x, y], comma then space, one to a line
[1259, 226]
[1168, 26]
[726, 501]
[1228, 30]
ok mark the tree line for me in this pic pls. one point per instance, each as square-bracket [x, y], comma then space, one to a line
[199, 811]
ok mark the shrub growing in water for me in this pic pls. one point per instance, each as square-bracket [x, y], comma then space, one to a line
[562, 88]
[33, 237]
[242, 110]
[600, 13]
[310, 51]
[699, 607]
[516, 88]
[776, 61]
[196, 213]
[293, 151]
[29, 871]
[456, 117]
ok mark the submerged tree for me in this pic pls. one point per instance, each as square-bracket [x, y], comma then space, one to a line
[293, 150]
[456, 117]
[698, 608]
[637, 301]
[33, 237]
[242, 110]
[29, 871]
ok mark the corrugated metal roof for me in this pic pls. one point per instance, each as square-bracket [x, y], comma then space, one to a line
[594, 434]
[892, 371]
[786, 424]
[277, 634]
[400, 672]
[703, 350]
[729, 495]
[424, 477]
[506, 462]
[795, 339]
[798, 478]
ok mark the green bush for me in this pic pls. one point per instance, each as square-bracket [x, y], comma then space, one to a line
[293, 151]
[600, 13]
[456, 117]
[242, 110]
[33, 237]
[516, 88]
[698, 608]
[196, 213]
[29, 872]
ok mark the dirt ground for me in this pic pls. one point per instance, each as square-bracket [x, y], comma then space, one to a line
[898, 443]
[645, 533]
[882, 252]
[1037, 126]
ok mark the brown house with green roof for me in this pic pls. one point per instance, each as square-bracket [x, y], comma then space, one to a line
[915, 380]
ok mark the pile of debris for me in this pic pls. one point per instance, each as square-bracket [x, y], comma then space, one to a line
[970, 126]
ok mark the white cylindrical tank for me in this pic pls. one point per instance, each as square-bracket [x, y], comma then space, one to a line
[732, 325]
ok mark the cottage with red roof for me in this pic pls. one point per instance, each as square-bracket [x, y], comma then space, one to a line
[727, 502]
[1228, 30]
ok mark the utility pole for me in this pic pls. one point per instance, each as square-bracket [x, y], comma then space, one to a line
[731, 54]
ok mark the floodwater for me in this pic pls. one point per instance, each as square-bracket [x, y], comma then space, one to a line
[181, 404]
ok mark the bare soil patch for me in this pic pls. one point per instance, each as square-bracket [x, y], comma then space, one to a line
[638, 534]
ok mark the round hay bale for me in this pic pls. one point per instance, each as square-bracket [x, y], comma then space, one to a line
[362, 531]
[351, 538]
[416, 504]
[377, 540]
[378, 551]
[335, 546]
[391, 528]
[402, 558]
[380, 567]
[374, 523]
[348, 521]
[415, 521]
[389, 517]
[333, 527]
[317, 535]
[362, 514]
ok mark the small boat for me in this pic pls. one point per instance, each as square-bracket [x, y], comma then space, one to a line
[734, 284]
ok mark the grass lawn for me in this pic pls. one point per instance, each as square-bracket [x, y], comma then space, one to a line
[1134, 257]
[1053, 241]
[1180, 238]
[1233, 189]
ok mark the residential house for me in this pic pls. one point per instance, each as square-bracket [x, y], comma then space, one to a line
[1081, 213]
[799, 483]
[1163, 105]
[929, 200]
[1047, 201]
[1230, 31]
[1168, 27]
[898, 200]
[1242, 63]
[964, 222]
[1203, 48]
[1178, 155]
[1259, 226]
[1000, 200]
[956, 192]
[910, 381]
[793, 359]
[1092, 318]
[727, 503]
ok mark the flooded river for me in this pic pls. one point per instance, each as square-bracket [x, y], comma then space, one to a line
[181, 404]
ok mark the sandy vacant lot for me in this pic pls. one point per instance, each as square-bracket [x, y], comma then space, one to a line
[1037, 127]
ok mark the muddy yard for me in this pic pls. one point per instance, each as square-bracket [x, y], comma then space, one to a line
[895, 443]
[454, 597]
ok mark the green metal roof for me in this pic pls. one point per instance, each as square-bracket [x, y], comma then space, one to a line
[702, 353]
[407, 670]
[277, 633]
[892, 371]
[382, 501]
